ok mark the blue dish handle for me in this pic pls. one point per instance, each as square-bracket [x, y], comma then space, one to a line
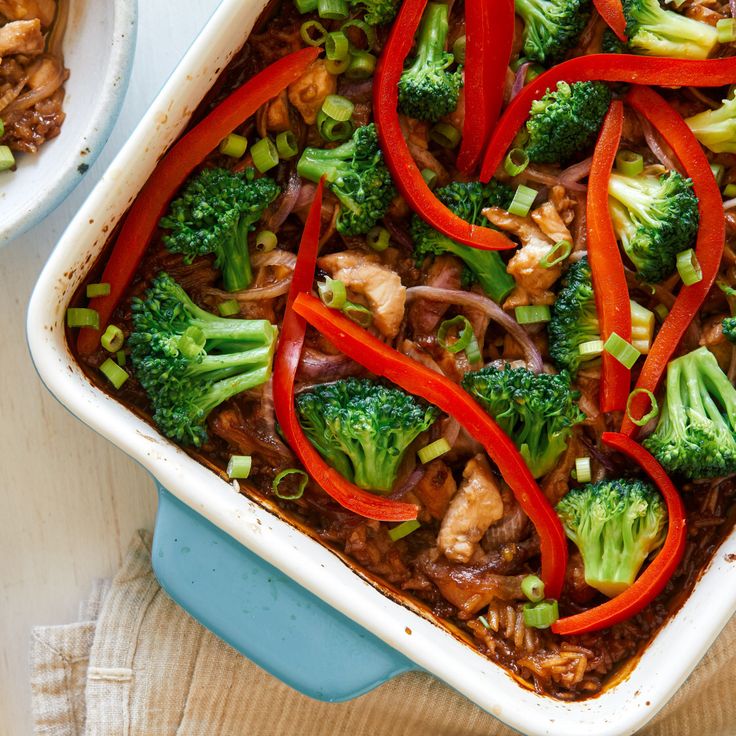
[266, 616]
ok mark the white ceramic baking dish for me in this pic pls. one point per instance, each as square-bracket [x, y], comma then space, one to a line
[621, 709]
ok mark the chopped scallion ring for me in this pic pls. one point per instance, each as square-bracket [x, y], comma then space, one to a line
[624, 352]
[266, 241]
[264, 153]
[7, 160]
[286, 145]
[445, 135]
[583, 473]
[362, 65]
[516, 161]
[234, 145]
[433, 450]
[114, 373]
[290, 495]
[368, 31]
[338, 108]
[472, 352]
[560, 251]
[358, 313]
[120, 358]
[591, 349]
[458, 49]
[94, 290]
[430, 178]
[378, 238]
[726, 30]
[688, 267]
[653, 411]
[532, 587]
[239, 466]
[332, 292]
[458, 328]
[331, 129]
[333, 9]
[337, 46]
[629, 163]
[82, 317]
[541, 615]
[192, 342]
[403, 529]
[313, 33]
[337, 67]
[523, 200]
[112, 339]
[305, 6]
[229, 308]
[529, 315]
[484, 622]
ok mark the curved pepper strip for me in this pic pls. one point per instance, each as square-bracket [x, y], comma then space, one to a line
[489, 31]
[652, 581]
[606, 266]
[606, 68]
[286, 362]
[403, 168]
[708, 248]
[612, 13]
[173, 170]
[419, 380]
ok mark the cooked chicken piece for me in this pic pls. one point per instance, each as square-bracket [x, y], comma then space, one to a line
[45, 71]
[21, 37]
[436, 488]
[416, 133]
[564, 203]
[381, 286]
[550, 223]
[309, 91]
[475, 506]
[704, 15]
[44, 10]
[445, 272]
[277, 115]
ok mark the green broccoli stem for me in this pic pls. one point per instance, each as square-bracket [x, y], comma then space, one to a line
[431, 39]
[236, 269]
[223, 365]
[328, 162]
[228, 387]
[488, 267]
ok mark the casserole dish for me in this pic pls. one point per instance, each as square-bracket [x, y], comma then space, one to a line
[654, 677]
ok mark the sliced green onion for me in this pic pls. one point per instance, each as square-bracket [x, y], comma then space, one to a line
[333, 9]
[445, 135]
[307, 31]
[533, 588]
[337, 46]
[458, 49]
[529, 315]
[583, 473]
[358, 313]
[286, 495]
[234, 145]
[305, 6]
[541, 615]
[430, 178]
[378, 238]
[239, 466]
[94, 290]
[642, 327]
[688, 267]
[472, 352]
[331, 129]
[624, 352]
[7, 160]
[120, 357]
[264, 153]
[484, 622]
[368, 31]
[229, 308]
[192, 342]
[729, 190]
[2, 128]
[559, 252]
[266, 241]
[523, 200]
[332, 292]
[433, 450]
[82, 317]
[726, 30]
[458, 327]
[114, 373]
[718, 171]
[590, 349]
[286, 145]
[403, 529]
[338, 107]
[112, 339]
[516, 161]
[362, 65]
[653, 411]
[629, 163]
[337, 67]
[661, 311]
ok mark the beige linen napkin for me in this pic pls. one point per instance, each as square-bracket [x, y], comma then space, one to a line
[137, 665]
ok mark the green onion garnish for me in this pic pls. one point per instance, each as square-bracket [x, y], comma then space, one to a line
[403, 529]
[533, 588]
[234, 145]
[305, 6]
[239, 466]
[529, 315]
[726, 30]
[266, 241]
[332, 292]
[629, 163]
[337, 46]
[229, 308]
[114, 373]
[653, 411]
[333, 9]
[264, 153]
[516, 161]
[591, 349]
[82, 317]
[337, 67]
[2, 128]
[313, 33]
[458, 328]
[445, 135]
[433, 450]
[358, 313]
[729, 190]
[661, 311]
[94, 290]
[287, 495]
[338, 107]
[120, 357]
[378, 238]
[583, 473]
[368, 31]
[559, 252]
[192, 341]
[7, 160]
[523, 200]
[718, 171]
[458, 49]
[472, 352]
[484, 622]
[541, 615]
[331, 129]
[362, 65]
[286, 145]
[688, 267]
[430, 178]
[624, 352]
[112, 339]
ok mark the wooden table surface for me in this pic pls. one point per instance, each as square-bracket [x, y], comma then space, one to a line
[69, 500]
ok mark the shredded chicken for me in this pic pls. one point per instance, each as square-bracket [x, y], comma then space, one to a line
[550, 223]
[44, 10]
[309, 91]
[277, 114]
[436, 488]
[564, 203]
[21, 37]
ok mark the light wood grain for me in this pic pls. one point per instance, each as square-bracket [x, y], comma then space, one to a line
[69, 501]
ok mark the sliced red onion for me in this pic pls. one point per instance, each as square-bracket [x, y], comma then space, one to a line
[277, 257]
[656, 148]
[729, 204]
[322, 368]
[287, 202]
[483, 303]
[571, 176]
[518, 84]
[541, 176]
[732, 5]
[271, 291]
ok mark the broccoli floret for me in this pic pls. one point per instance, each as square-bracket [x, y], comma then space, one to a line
[468, 200]
[695, 435]
[363, 428]
[611, 43]
[357, 175]
[574, 319]
[427, 90]
[729, 328]
[654, 31]
[377, 12]
[214, 214]
[189, 361]
[654, 218]
[536, 410]
[616, 525]
[551, 27]
[565, 121]
[716, 129]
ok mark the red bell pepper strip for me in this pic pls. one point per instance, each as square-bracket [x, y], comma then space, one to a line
[172, 172]
[606, 266]
[652, 581]
[613, 13]
[417, 379]
[402, 166]
[286, 363]
[708, 248]
[606, 68]
[489, 33]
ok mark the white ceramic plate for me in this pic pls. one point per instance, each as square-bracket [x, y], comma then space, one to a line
[98, 50]
[620, 710]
